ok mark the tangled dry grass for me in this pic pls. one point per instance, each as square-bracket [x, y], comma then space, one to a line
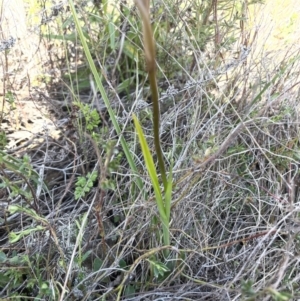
[233, 133]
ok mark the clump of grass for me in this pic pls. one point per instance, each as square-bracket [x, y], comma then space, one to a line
[226, 211]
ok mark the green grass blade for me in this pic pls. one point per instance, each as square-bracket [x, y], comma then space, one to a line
[168, 194]
[151, 170]
[104, 95]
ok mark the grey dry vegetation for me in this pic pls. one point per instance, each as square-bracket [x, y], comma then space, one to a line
[86, 215]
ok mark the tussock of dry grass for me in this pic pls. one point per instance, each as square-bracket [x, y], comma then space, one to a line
[235, 215]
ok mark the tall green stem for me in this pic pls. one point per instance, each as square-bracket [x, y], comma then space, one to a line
[149, 48]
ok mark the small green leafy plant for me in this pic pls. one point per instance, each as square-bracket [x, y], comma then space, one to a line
[91, 116]
[24, 175]
[158, 269]
[84, 184]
